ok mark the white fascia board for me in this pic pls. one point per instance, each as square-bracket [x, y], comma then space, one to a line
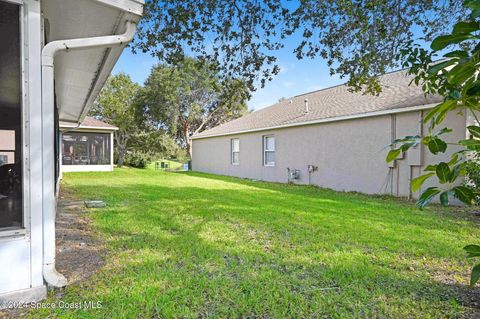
[328, 120]
[131, 6]
[73, 126]
[20, 2]
[87, 129]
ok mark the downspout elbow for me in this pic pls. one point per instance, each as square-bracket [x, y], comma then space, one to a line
[53, 277]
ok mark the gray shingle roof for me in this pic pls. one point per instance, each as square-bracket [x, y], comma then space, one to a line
[330, 103]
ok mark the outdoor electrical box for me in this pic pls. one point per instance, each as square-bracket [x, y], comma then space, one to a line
[414, 156]
[293, 174]
[312, 168]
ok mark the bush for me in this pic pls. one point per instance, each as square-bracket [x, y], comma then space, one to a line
[472, 171]
[136, 159]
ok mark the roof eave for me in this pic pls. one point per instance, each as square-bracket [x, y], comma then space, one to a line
[327, 120]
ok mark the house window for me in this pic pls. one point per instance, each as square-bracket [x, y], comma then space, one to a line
[269, 150]
[86, 149]
[235, 145]
[11, 155]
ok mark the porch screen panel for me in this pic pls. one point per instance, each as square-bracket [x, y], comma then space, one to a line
[79, 148]
[11, 175]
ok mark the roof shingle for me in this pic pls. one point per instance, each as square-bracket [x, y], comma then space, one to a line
[330, 103]
[94, 123]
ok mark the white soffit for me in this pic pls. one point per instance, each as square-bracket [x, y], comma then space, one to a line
[80, 74]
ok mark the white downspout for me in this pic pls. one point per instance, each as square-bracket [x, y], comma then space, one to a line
[50, 274]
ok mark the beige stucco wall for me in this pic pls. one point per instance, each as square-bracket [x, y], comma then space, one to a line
[350, 154]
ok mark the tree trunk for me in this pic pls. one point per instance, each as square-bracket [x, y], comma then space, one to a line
[188, 139]
[121, 141]
[189, 147]
[121, 154]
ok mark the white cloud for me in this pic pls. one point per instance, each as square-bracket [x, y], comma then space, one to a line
[288, 84]
[283, 69]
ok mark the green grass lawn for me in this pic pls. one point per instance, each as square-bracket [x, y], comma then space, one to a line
[191, 245]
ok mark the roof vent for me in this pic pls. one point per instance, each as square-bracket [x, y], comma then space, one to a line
[306, 106]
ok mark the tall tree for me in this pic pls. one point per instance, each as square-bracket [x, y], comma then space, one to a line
[116, 105]
[189, 98]
[358, 38]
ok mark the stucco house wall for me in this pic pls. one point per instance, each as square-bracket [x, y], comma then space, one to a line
[350, 154]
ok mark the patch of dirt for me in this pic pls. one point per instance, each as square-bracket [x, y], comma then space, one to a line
[465, 295]
[79, 251]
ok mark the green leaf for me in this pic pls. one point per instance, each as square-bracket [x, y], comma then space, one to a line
[443, 131]
[476, 48]
[436, 145]
[465, 27]
[443, 41]
[471, 4]
[444, 199]
[474, 130]
[464, 194]
[443, 172]
[454, 173]
[417, 182]
[461, 73]
[475, 14]
[430, 168]
[473, 90]
[472, 250]
[472, 144]
[393, 154]
[453, 159]
[457, 54]
[475, 276]
[447, 105]
[427, 196]
[434, 69]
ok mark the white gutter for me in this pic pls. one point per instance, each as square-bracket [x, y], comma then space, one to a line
[92, 128]
[50, 274]
[327, 120]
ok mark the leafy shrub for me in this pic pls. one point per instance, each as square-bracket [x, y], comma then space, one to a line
[136, 159]
[472, 171]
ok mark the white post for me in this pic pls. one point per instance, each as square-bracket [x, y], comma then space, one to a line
[111, 151]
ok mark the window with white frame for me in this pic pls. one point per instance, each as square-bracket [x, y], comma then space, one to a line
[235, 147]
[269, 150]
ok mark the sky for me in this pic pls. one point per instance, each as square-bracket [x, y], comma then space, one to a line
[295, 77]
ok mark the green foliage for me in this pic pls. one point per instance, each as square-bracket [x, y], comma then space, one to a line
[116, 105]
[458, 81]
[358, 39]
[189, 98]
[473, 251]
[472, 172]
[155, 144]
[427, 196]
[137, 159]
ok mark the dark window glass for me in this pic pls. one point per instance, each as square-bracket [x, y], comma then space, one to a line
[85, 149]
[11, 190]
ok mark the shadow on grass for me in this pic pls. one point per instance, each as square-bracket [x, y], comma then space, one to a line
[222, 279]
[244, 248]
